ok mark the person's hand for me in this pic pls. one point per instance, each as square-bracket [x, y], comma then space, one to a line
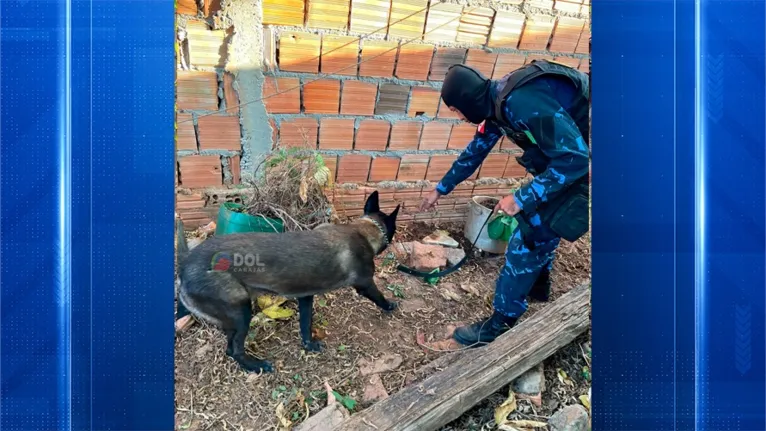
[508, 205]
[429, 200]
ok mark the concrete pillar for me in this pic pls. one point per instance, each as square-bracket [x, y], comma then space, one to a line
[246, 64]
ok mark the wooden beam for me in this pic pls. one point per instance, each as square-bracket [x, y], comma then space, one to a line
[446, 395]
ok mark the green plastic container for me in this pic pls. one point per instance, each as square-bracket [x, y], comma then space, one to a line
[501, 227]
[230, 221]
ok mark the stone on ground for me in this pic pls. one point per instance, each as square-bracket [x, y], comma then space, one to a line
[532, 382]
[385, 363]
[454, 255]
[569, 418]
[374, 389]
[427, 257]
[441, 237]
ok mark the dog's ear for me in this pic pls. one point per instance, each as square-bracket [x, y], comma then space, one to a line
[393, 214]
[372, 206]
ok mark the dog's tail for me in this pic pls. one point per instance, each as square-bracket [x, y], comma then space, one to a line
[182, 250]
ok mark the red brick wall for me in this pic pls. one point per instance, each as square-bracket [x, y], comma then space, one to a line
[382, 120]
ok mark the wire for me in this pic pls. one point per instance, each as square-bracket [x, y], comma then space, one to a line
[322, 76]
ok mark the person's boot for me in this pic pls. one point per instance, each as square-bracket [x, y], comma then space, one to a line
[541, 290]
[484, 331]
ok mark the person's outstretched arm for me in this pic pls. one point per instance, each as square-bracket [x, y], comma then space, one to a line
[471, 158]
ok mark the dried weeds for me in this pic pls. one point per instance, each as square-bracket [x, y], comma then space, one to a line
[293, 188]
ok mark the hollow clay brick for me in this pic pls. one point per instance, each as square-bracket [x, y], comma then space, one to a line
[435, 136]
[283, 12]
[439, 165]
[186, 137]
[408, 18]
[321, 96]
[219, 133]
[340, 55]
[329, 14]
[566, 34]
[384, 169]
[370, 16]
[424, 101]
[282, 95]
[299, 132]
[197, 90]
[493, 166]
[413, 167]
[299, 52]
[482, 61]
[358, 98]
[507, 63]
[200, 171]
[405, 135]
[414, 61]
[336, 134]
[443, 59]
[506, 29]
[353, 168]
[537, 33]
[378, 58]
[392, 99]
[372, 135]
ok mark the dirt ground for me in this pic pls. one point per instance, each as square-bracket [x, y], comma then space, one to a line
[213, 393]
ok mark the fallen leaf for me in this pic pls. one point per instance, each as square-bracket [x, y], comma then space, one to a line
[506, 408]
[266, 301]
[449, 294]
[275, 312]
[563, 378]
[303, 191]
[584, 399]
[526, 424]
[319, 333]
[282, 417]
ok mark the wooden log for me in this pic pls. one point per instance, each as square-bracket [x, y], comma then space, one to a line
[446, 395]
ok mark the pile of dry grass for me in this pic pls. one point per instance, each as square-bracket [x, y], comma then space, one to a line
[292, 189]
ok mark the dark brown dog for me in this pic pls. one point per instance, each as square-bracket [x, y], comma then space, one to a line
[220, 277]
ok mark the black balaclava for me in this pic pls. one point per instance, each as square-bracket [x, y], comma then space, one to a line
[467, 89]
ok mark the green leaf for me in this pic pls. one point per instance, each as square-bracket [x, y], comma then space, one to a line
[322, 302]
[282, 388]
[342, 348]
[347, 402]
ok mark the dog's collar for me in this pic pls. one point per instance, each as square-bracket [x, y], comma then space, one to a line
[382, 232]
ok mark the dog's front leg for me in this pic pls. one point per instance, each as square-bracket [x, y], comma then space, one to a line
[369, 290]
[305, 315]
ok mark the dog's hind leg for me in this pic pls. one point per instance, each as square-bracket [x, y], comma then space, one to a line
[239, 317]
[305, 314]
[369, 290]
[181, 310]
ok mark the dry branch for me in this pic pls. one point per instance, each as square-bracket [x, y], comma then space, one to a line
[446, 395]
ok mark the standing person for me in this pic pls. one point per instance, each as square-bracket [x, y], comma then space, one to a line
[544, 108]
